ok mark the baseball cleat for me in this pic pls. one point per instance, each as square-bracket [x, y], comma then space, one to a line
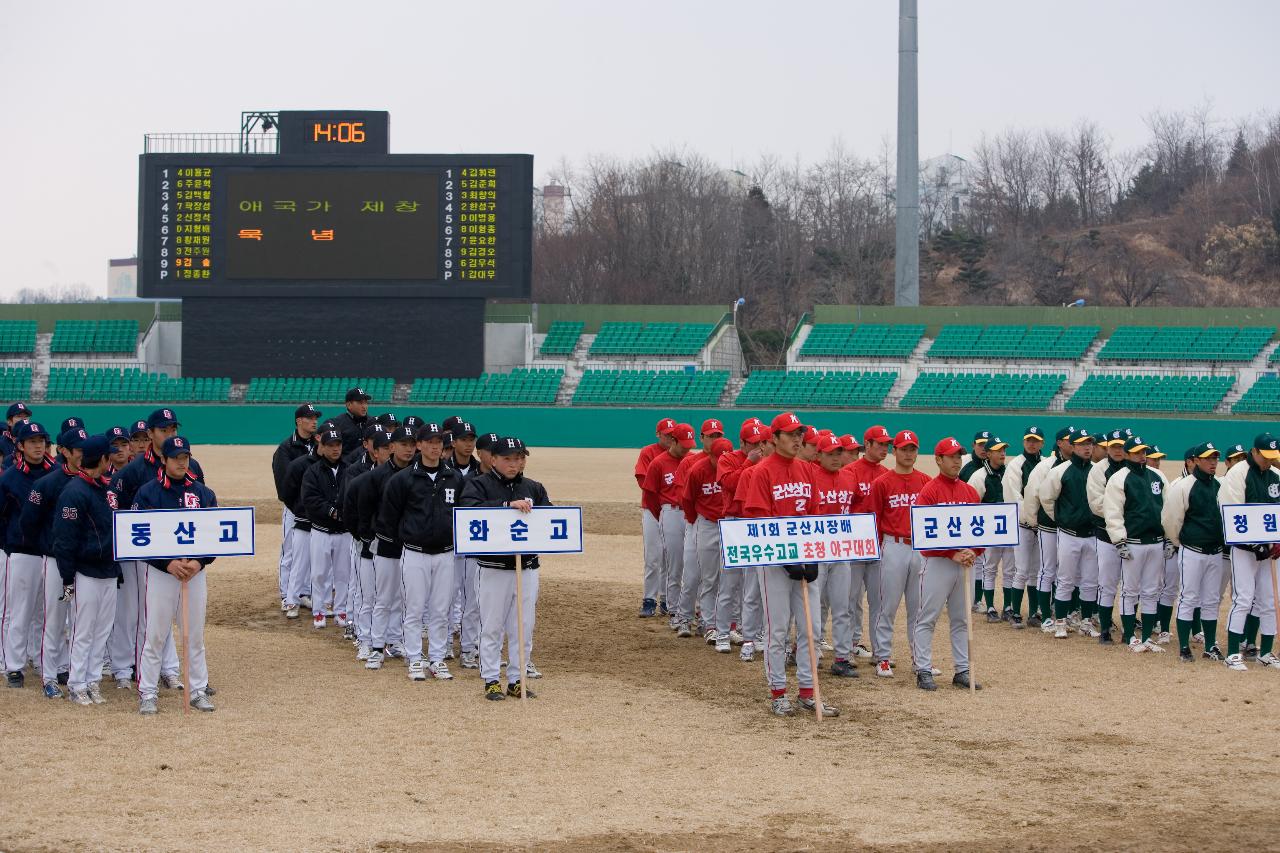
[748, 652]
[493, 691]
[781, 707]
[884, 670]
[844, 669]
[1086, 627]
[977, 607]
[1197, 639]
[81, 697]
[1137, 646]
[810, 705]
[1236, 662]
[924, 680]
[63, 677]
[1214, 653]
[683, 630]
[14, 678]
[648, 608]
[148, 706]
[341, 620]
[710, 636]
[201, 702]
[417, 671]
[1104, 639]
[317, 621]
[1049, 626]
[440, 670]
[513, 690]
[824, 646]
[95, 694]
[209, 691]
[328, 608]
[1060, 630]
[993, 615]
[723, 646]
[1006, 615]
[394, 651]
[349, 632]
[374, 661]
[1163, 638]
[1185, 656]
[735, 637]
[363, 653]
[51, 690]
[470, 660]
[305, 601]
[662, 607]
[1152, 646]
[291, 612]
[530, 670]
[861, 651]
[1016, 619]
[1034, 620]
[790, 660]
[1250, 651]
[1270, 660]
[283, 605]
[961, 680]
[171, 682]
[123, 684]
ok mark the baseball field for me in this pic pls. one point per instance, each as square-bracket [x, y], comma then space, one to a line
[638, 740]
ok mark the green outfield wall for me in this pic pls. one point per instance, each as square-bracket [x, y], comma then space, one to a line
[621, 427]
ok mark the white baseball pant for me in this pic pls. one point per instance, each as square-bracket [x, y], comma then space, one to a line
[164, 598]
[942, 581]
[671, 523]
[837, 581]
[330, 566]
[24, 586]
[469, 635]
[784, 601]
[1251, 592]
[388, 605]
[1026, 557]
[864, 578]
[1077, 567]
[124, 644]
[286, 549]
[729, 599]
[1143, 576]
[497, 594]
[1200, 584]
[688, 563]
[300, 570]
[169, 662]
[1226, 572]
[651, 536]
[1169, 584]
[93, 610]
[700, 582]
[428, 588]
[1109, 571]
[368, 596]
[899, 578]
[353, 579]
[55, 648]
[1048, 575]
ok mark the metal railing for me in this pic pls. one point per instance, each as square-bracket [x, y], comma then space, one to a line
[211, 143]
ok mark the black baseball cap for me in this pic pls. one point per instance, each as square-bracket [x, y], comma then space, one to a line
[428, 431]
[138, 428]
[463, 429]
[1236, 450]
[370, 430]
[31, 429]
[1033, 432]
[73, 438]
[509, 446]
[354, 394]
[412, 422]
[306, 410]
[114, 434]
[95, 447]
[387, 419]
[330, 436]
[175, 445]
[1065, 434]
[1267, 445]
[381, 439]
[450, 422]
[399, 434]
[162, 418]
[17, 409]
[71, 423]
[487, 441]
[982, 437]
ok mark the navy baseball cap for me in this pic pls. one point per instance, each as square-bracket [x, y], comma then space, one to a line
[1033, 432]
[412, 422]
[371, 430]
[71, 423]
[162, 418]
[381, 439]
[175, 445]
[17, 409]
[982, 437]
[398, 434]
[138, 428]
[355, 394]
[30, 429]
[306, 410]
[487, 441]
[115, 434]
[509, 446]
[1135, 443]
[73, 438]
[1267, 445]
[1236, 450]
[429, 431]
[95, 447]
[463, 429]
[330, 436]
[387, 419]
[1065, 434]
[450, 422]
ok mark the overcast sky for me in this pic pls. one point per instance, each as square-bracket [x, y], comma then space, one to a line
[80, 83]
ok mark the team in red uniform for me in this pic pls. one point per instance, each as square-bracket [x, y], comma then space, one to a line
[650, 532]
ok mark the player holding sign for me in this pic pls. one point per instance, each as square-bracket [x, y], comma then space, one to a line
[1255, 482]
[1193, 523]
[942, 580]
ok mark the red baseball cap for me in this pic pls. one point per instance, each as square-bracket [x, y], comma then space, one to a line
[684, 434]
[829, 444]
[719, 446]
[948, 447]
[877, 433]
[755, 433]
[905, 438]
[711, 425]
[753, 420]
[848, 442]
[665, 426]
[826, 432]
[811, 435]
[786, 422]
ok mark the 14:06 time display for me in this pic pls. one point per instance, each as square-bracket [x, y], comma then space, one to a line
[338, 131]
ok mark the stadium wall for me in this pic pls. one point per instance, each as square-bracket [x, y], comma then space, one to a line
[936, 316]
[619, 427]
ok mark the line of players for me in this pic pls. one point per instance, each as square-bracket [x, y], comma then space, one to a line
[71, 612]
[1168, 545]
[368, 540]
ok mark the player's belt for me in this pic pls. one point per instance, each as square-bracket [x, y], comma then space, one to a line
[904, 540]
[671, 506]
[1208, 552]
[1145, 540]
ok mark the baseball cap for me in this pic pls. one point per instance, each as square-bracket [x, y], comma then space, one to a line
[357, 394]
[1204, 450]
[138, 428]
[786, 422]
[306, 410]
[1081, 436]
[906, 438]
[848, 442]
[947, 447]
[73, 438]
[487, 441]
[877, 433]
[387, 418]
[429, 431]
[1100, 438]
[1067, 433]
[95, 447]
[711, 426]
[113, 435]
[810, 435]
[754, 433]
[684, 435]
[981, 437]
[71, 423]
[1117, 436]
[370, 430]
[400, 433]
[176, 445]
[825, 431]
[997, 443]
[665, 426]
[17, 409]
[1267, 445]
[1134, 443]
[330, 436]
[31, 429]
[1236, 450]
[512, 446]
[463, 429]
[720, 446]
[1155, 452]
[753, 420]
[1033, 432]
[162, 418]
[381, 439]
[829, 444]
[411, 423]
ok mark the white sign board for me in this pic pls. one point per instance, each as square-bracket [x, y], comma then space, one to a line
[170, 534]
[802, 539]
[944, 527]
[1250, 524]
[498, 530]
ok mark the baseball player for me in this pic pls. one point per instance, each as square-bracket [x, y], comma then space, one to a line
[330, 554]
[119, 455]
[1169, 580]
[298, 590]
[864, 576]
[1254, 481]
[14, 415]
[1064, 498]
[1192, 523]
[138, 439]
[1033, 515]
[175, 488]
[892, 496]
[24, 578]
[987, 482]
[1109, 563]
[852, 449]
[705, 497]
[351, 423]
[650, 526]
[1026, 556]
[835, 491]
[361, 531]
[418, 503]
[464, 615]
[1132, 505]
[689, 617]
[739, 588]
[942, 575]
[82, 545]
[781, 486]
[386, 632]
[663, 492]
[506, 486]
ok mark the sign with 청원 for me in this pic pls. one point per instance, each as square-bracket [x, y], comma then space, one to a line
[800, 539]
[499, 530]
[1250, 524]
[943, 527]
[172, 534]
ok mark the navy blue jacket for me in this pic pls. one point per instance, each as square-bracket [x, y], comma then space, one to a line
[144, 468]
[37, 512]
[163, 493]
[82, 530]
[15, 489]
[8, 448]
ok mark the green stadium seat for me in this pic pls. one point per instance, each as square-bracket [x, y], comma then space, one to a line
[638, 387]
[1262, 398]
[939, 390]
[846, 389]
[869, 340]
[522, 385]
[561, 338]
[110, 384]
[1150, 393]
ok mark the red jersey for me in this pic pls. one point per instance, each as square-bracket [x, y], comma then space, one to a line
[730, 468]
[682, 472]
[941, 490]
[778, 487]
[892, 496]
[701, 490]
[864, 473]
[835, 492]
[647, 455]
[661, 480]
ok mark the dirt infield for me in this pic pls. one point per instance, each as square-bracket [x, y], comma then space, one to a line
[638, 741]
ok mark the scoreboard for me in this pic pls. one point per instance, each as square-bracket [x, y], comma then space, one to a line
[329, 216]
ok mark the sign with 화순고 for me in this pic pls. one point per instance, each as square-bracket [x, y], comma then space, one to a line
[799, 539]
[159, 534]
[499, 530]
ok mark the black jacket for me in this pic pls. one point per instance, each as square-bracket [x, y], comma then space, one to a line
[471, 469]
[290, 449]
[320, 495]
[15, 491]
[37, 512]
[292, 495]
[492, 489]
[163, 493]
[82, 531]
[420, 507]
[351, 429]
[369, 501]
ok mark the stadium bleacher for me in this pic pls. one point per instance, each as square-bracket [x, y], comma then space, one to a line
[669, 387]
[110, 384]
[1150, 393]
[1185, 343]
[868, 340]
[521, 385]
[325, 389]
[938, 390]
[15, 383]
[1055, 343]
[18, 336]
[816, 388]
[651, 339]
[562, 337]
[1262, 398]
[95, 336]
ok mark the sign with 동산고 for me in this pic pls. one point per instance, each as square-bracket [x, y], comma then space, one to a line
[171, 534]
